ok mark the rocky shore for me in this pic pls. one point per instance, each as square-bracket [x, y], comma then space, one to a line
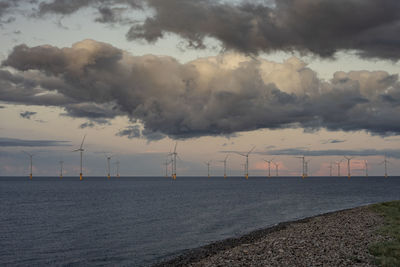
[333, 239]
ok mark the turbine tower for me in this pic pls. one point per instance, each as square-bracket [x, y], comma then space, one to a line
[276, 168]
[269, 166]
[306, 167]
[366, 168]
[117, 164]
[208, 167]
[224, 161]
[108, 166]
[348, 166]
[338, 167]
[61, 168]
[80, 149]
[303, 175]
[30, 157]
[246, 175]
[330, 168]
[385, 162]
[244, 168]
[166, 163]
[174, 155]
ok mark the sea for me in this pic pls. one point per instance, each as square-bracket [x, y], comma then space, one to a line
[140, 221]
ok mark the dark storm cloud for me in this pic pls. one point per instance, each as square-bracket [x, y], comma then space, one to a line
[27, 114]
[13, 142]
[219, 95]
[393, 153]
[321, 27]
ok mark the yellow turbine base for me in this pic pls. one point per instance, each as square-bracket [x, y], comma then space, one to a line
[224, 176]
[30, 176]
[174, 176]
[80, 177]
[60, 176]
[247, 176]
[108, 176]
[348, 177]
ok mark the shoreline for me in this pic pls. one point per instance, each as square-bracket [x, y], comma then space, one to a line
[198, 256]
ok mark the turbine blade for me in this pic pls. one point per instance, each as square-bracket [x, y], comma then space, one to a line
[251, 150]
[83, 140]
[175, 146]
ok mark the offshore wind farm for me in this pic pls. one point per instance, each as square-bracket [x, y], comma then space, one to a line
[184, 132]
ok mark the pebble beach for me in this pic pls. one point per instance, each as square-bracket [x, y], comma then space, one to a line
[338, 238]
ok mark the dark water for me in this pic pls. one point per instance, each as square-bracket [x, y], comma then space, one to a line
[139, 221]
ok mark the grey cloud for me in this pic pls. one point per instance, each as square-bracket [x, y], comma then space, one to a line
[332, 141]
[130, 132]
[27, 114]
[93, 122]
[13, 142]
[88, 124]
[135, 131]
[219, 95]
[66, 7]
[93, 111]
[2, 107]
[368, 27]
[318, 27]
[392, 153]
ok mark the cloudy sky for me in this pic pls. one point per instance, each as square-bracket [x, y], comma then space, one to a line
[291, 77]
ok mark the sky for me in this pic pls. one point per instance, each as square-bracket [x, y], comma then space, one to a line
[290, 77]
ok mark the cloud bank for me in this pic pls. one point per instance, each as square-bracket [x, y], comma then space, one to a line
[217, 95]
[321, 27]
[13, 142]
[392, 153]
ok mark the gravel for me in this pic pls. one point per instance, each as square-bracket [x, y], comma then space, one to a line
[334, 239]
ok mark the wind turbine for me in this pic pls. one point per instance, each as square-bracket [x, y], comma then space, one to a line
[174, 155]
[269, 166]
[366, 168]
[61, 168]
[108, 157]
[348, 166]
[30, 157]
[276, 168]
[385, 161]
[208, 167]
[304, 164]
[247, 161]
[224, 161]
[338, 167]
[80, 149]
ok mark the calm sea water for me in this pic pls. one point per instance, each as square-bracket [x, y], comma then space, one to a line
[139, 221]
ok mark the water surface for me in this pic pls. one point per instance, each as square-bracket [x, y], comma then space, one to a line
[139, 221]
